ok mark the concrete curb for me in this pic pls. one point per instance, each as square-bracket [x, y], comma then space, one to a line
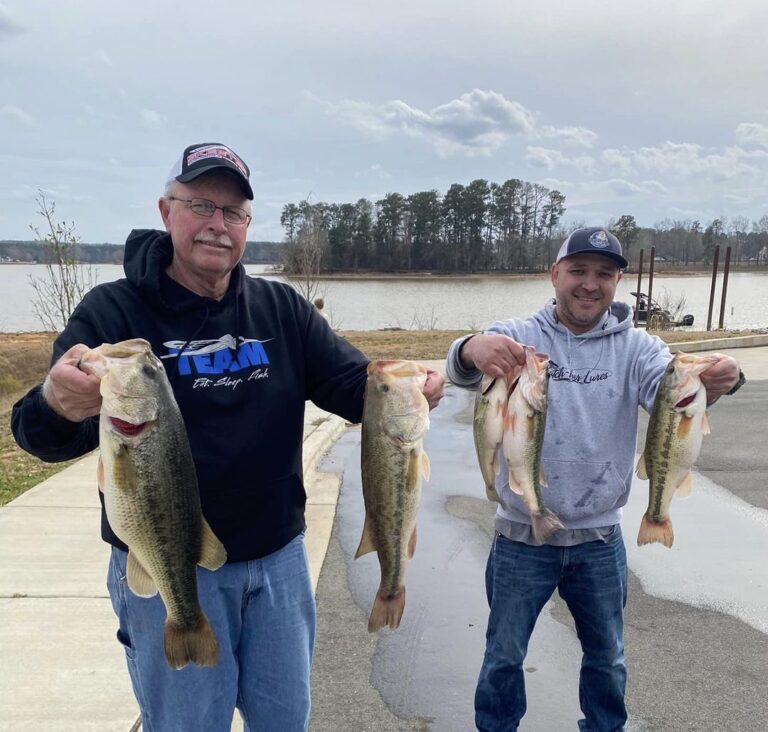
[715, 344]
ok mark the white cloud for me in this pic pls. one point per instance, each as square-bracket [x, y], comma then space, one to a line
[654, 186]
[619, 161]
[626, 188]
[556, 184]
[572, 136]
[687, 160]
[18, 115]
[752, 133]
[477, 122]
[542, 157]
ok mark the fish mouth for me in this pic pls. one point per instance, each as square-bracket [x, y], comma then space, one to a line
[128, 429]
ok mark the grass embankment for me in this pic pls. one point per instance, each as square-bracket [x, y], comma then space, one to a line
[24, 362]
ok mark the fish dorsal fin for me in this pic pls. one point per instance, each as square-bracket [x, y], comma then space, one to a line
[426, 468]
[367, 540]
[685, 487]
[212, 551]
[642, 471]
[139, 581]
[705, 424]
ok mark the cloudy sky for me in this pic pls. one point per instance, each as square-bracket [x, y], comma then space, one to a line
[658, 109]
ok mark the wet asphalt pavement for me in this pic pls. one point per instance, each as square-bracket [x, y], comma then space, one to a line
[696, 630]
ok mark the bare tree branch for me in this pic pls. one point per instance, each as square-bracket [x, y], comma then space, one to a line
[66, 281]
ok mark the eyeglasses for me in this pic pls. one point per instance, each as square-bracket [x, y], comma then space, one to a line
[206, 208]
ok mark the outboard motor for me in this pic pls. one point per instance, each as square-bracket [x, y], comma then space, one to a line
[687, 319]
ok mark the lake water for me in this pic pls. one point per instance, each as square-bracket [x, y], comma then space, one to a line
[463, 303]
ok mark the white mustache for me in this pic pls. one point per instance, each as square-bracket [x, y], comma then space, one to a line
[221, 240]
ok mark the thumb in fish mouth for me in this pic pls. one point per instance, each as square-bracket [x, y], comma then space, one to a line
[93, 362]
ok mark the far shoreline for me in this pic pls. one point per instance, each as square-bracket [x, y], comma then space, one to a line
[702, 271]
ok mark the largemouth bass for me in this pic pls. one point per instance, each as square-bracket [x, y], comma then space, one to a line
[150, 494]
[488, 428]
[393, 462]
[676, 429]
[523, 439]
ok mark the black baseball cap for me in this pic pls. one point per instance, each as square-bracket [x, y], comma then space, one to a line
[592, 240]
[205, 156]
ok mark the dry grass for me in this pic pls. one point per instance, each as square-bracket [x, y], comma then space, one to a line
[24, 361]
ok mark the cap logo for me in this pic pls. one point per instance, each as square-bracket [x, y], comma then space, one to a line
[216, 151]
[599, 239]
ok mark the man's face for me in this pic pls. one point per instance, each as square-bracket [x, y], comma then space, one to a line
[585, 285]
[205, 248]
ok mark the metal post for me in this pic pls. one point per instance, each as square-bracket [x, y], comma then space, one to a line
[639, 283]
[726, 270]
[650, 287]
[715, 262]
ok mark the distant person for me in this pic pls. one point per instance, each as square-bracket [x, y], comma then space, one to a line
[320, 305]
[243, 355]
[601, 369]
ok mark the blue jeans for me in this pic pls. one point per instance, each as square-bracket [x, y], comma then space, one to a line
[519, 580]
[263, 614]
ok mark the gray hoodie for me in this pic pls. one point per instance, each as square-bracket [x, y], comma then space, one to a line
[596, 382]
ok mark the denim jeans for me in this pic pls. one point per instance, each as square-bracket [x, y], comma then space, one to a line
[592, 580]
[263, 614]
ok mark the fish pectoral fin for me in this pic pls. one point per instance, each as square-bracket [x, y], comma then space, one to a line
[426, 468]
[100, 475]
[642, 471]
[139, 581]
[416, 466]
[412, 544]
[685, 487]
[705, 424]
[367, 540]
[684, 426]
[212, 551]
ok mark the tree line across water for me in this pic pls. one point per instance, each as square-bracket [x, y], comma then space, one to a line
[39, 252]
[488, 227]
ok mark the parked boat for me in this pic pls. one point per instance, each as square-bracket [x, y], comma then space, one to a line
[660, 318]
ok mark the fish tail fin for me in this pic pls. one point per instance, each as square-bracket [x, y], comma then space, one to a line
[191, 644]
[655, 531]
[387, 610]
[544, 524]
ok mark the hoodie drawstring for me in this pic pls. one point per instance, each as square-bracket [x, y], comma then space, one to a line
[175, 372]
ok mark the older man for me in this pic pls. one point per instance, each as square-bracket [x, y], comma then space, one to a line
[600, 370]
[243, 355]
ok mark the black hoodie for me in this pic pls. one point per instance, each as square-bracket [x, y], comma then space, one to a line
[254, 357]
